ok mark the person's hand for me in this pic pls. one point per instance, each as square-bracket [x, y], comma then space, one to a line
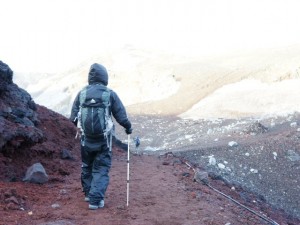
[128, 131]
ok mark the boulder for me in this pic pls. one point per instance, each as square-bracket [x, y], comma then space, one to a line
[201, 176]
[36, 174]
[66, 154]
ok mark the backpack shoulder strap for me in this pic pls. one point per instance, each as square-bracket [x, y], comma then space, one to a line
[82, 95]
[106, 97]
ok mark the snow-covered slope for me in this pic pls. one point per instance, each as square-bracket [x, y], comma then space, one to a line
[254, 83]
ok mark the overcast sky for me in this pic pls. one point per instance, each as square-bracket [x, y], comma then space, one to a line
[52, 35]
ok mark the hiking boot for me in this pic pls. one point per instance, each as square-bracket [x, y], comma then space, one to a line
[93, 207]
[86, 199]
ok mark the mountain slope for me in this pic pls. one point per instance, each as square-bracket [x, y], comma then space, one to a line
[159, 83]
[158, 183]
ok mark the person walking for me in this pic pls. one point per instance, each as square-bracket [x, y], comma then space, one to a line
[91, 112]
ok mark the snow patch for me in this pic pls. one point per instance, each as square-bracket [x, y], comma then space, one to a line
[249, 97]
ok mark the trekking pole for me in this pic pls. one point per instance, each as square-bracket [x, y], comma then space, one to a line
[128, 154]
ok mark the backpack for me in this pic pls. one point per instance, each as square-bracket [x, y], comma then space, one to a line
[94, 113]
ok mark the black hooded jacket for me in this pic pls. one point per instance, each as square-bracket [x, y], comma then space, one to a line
[98, 75]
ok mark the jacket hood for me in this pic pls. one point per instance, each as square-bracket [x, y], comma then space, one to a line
[98, 74]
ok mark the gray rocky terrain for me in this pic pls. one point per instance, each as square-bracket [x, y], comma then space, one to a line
[258, 155]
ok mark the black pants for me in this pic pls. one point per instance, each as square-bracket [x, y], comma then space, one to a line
[96, 163]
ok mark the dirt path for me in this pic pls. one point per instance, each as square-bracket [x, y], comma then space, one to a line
[162, 191]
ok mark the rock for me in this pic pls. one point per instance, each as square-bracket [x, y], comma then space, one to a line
[292, 155]
[166, 163]
[256, 128]
[188, 137]
[210, 131]
[36, 174]
[18, 117]
[176, 161]
[201, 176]
[275, 155]
[221, 166]
[294, 124]
[55, 206]
[12, 206]
[232, 144]
[10, 192]
[66, 154]
[212, 160]
[63, 192]
[6, 75]
[12, 199]
[185, 174]
[253, 170]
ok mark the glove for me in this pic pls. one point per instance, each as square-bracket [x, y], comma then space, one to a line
[128, 130]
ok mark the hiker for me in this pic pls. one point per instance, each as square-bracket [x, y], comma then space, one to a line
[137, 142]
[96, 147]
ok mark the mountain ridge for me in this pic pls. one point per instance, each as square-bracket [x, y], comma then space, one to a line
[153, 83]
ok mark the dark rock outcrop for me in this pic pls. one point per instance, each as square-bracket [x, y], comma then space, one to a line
[6, 75]
[30, 133]
[18, 117]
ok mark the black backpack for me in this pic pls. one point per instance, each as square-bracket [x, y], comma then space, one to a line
[94, 113]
